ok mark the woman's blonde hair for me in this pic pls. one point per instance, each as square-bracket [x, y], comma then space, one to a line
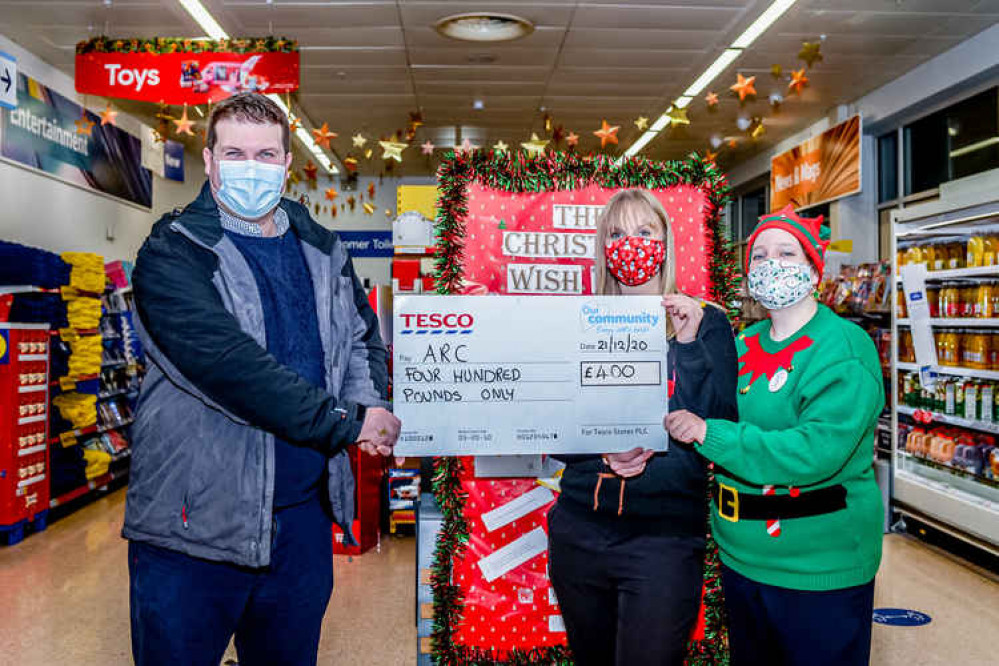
[630, 204]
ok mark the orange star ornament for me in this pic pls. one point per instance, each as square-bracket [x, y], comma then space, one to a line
[744, 87]
[798, 81]
[184, 124]
[323, 136]
[331, 194]
[607, 133]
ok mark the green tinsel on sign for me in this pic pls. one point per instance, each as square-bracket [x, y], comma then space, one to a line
[516, 172]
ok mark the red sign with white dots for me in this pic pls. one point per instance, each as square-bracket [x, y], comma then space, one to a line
[543, 243]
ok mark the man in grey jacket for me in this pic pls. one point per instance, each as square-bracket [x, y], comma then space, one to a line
[265, 364]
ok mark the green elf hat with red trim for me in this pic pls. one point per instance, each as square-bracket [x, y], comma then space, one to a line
[808, 231]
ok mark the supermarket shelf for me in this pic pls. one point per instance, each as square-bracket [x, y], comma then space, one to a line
[92, 430]
[955, 471]
[25, 289]
[962, 322]
[948, 503]
[123, 424]
[32, 357]
[31, 481]
[957, 273]
[30, 450]
[99, 482]
[27, 420]
[38, 388]
[955, 371]
[115, 394]
[949, 419]
[114, 364]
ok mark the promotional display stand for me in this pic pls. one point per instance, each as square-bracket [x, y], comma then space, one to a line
[511, 224]
[24, 458]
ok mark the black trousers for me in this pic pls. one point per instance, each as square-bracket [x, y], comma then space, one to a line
[628, 594]
[776, 626]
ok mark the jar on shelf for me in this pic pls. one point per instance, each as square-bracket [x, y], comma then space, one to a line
[991, 250]
[949, 300]
[933, 300]
[975, 254]
[976, 349]
[906, 352]
[969, 295]
[956, 251]
[901, 310]
[948, 347]
[984, 299]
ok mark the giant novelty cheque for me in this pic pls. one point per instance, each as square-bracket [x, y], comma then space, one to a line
[529, 374]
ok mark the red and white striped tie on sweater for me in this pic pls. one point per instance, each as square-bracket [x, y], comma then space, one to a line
[773, 526]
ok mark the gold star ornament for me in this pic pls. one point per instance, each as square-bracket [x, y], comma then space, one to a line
[642, 123]
[84, 125]
[810, 53]
[535, 146]
[678, 116]
[392, 150]
[500, 147]
[359, 140]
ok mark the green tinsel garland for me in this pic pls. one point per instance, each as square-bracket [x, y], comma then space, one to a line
[516, 172]
[160, 45]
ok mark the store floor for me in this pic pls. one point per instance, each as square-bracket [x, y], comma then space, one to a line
[65, 601]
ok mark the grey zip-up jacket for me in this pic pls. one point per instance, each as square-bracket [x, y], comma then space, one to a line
[214, 399]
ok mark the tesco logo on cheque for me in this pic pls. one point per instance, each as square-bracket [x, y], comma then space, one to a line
[436, 323]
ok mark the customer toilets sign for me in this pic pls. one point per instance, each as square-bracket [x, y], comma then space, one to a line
[824, 168]
[8, 81]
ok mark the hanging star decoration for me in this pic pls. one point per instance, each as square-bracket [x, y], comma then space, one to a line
[607, 133]
[316, 208]
[109, 116]
[371, 190]
[500, 147]
[758, 128]
[388, 212]
[392, 150]
[572, 139]
[294, 123]
[536, 146]
[428, 147]
[333, 211]
[359, 140]
[311, 171]
[798, 81]
[709, 156]
[776, 71]
[466, 147]
[733, 143]
[558, 134]
[678, 116]
[415, 119]
[744, 87]
[350, 163]
[331, 194]
[183, 124]
[352, 202]
[369, 208]
[712, 100]
[293, 177]
[84, 125]
[323, 136]
[776, 99]
[642, 123]
[810, 53]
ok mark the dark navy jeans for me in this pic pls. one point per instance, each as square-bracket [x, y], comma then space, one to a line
[776, 626]
[185, 610]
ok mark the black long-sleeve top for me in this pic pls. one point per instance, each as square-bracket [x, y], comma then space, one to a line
[670, 494]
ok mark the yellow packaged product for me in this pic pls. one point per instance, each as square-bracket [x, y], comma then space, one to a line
[975, 255]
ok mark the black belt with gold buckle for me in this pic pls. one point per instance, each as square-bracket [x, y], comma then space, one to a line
[734, 506]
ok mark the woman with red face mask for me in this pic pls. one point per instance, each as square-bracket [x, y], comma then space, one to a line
[626, 537]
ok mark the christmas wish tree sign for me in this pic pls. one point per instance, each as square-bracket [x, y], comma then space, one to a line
[529, 374]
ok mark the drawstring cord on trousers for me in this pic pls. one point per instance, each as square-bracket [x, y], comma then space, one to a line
[596, 491]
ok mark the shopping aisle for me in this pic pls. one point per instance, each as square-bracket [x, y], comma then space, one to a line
[68, 592]
[65, 598]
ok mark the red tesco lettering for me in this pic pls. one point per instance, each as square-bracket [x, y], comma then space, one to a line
[437, 320]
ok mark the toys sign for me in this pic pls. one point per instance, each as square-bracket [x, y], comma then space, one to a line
[184, 78]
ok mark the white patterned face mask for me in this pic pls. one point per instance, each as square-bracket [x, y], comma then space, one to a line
[778, 285]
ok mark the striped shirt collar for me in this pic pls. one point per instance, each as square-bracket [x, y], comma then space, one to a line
[242, 227]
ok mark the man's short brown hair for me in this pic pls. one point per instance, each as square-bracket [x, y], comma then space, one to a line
[249, 108]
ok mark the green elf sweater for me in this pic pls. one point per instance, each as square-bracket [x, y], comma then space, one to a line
[808, 407]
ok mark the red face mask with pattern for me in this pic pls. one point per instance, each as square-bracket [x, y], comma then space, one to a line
[634, 260]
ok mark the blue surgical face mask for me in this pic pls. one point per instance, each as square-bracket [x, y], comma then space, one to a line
[248, 188]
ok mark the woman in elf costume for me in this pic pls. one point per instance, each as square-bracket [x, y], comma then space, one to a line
[797, 512]
[626, 538]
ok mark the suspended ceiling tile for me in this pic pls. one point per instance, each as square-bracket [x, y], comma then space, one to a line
[508, 57]
[347, 56]
[541, 14]
[381, 37]
[645, 38]
[289, 16]
[665, 16]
